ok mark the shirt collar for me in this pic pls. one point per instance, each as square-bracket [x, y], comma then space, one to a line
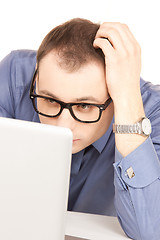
[76, 161]
[98, 145]
[101, 142]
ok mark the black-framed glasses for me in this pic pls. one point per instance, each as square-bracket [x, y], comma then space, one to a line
[50, 107]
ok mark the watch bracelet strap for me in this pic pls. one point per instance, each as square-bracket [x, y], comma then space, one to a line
[134, 128]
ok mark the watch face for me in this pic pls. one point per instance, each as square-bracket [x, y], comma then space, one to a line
[146, 126]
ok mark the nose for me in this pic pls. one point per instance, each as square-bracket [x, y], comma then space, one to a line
[65, 119]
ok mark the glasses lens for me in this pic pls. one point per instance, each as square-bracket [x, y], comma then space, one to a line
[47, 106]
[86, 112]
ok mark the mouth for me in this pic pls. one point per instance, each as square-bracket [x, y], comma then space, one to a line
[75, 140]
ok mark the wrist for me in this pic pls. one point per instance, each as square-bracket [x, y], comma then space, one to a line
[129, 110]
[122, 99]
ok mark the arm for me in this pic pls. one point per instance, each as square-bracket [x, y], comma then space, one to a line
[16, 72]
[137, 200]
[123, 66]
[134, 198]
[6, 94]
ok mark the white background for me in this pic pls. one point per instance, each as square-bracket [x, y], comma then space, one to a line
[23, 24]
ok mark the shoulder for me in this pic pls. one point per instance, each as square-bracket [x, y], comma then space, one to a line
[17, 68]
[16, 71]
[151, 97]
[18, 56]
[17, 61]
[22, 66]
[23, 54]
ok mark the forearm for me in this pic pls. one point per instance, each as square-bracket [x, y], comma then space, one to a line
[135, 196]
[128, 110]
[137, 199]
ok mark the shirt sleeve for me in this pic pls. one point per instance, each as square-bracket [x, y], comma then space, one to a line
[6, 88]
[16, 71]
[137, 185]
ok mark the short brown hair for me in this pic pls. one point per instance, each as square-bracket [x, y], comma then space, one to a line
[73, 42]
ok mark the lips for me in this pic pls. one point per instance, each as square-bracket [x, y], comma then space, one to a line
[75, 140]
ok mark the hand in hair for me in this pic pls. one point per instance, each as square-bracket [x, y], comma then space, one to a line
[123, 67]
[122, 58]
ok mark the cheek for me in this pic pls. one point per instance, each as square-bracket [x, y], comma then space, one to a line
[46, 120]
[100, 128]
[91, 133]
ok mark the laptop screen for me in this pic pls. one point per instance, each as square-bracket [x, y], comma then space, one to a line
[34, 180]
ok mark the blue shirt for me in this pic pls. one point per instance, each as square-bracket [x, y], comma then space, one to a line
[99, 183]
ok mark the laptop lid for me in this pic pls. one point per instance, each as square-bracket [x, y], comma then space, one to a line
[34, 180]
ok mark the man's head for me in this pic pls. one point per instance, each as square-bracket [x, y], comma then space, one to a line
[71, 70]
[73, 44]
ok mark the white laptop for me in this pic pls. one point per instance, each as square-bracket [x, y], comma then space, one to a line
[34, 180]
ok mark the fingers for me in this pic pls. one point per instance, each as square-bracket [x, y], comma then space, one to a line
[108, 30]
[120, 37]
[105, 45]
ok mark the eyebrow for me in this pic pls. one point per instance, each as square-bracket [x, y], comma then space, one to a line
[81, 99]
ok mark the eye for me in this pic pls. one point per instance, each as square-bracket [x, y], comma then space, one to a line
[49, 100]
[85, 106]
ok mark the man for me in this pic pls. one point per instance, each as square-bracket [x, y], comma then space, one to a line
[87, 79]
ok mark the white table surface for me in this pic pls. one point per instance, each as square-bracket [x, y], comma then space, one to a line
[93, 227]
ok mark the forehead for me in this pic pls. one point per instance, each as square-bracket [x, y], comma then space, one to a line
[88, 80]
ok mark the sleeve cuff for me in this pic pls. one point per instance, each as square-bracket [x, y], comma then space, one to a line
[143, 161]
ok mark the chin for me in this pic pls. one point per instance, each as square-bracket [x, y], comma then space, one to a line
[76, 149]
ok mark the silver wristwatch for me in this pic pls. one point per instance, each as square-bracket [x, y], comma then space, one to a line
[143, 127]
